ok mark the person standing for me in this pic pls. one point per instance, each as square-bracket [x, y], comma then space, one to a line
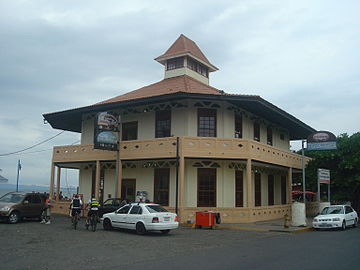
[46, 217]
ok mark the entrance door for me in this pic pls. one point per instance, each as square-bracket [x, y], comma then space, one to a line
[128, 188]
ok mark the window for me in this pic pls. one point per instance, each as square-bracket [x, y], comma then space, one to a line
[197, 67]
[269, 136]
[257, 189]
[155, 209]
[175, 63]
[35, 199]
[162, 124]
[270, 189]
[283, 189]
[206, 123]
[256, 131]
[282, 136]
[129, 131]
[108, 203]
[238, 125]
[239, 189]
[124, 210]
[136, 210]
[161, 186]
[348, 209]
[206, 187]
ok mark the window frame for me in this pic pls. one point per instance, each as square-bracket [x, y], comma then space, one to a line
[162, 172]
[125, 130]
[211, 175]
[175, 63]
[163, 116]
[208, 129]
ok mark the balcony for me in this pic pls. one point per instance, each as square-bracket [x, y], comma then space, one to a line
[194, 147]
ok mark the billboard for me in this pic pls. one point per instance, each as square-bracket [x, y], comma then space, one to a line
[321, 140]
[324, 176]
[106, 131]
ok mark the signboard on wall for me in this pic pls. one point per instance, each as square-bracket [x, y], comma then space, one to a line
[324, 176]
[106, 131]
[321, 140]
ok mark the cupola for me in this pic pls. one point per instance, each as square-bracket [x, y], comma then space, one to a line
[184, 57]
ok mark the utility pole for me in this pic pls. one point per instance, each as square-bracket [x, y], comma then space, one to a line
[18, 174]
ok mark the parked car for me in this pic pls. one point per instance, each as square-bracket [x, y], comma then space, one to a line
[141, 217]
[336, 216]
[17, 205]
[110, 205]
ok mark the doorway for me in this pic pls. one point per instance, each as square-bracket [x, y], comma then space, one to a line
[128, 188]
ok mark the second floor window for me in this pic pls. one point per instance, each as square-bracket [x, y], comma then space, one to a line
[269, 136]
[238, 125]
[129, 131]
[206, 123]
[163, 124]
[256, 131]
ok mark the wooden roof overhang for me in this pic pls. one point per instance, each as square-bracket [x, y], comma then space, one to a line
[70, 120]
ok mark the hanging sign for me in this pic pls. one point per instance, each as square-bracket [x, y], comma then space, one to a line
[324, 176]
[321, 140]
[106, 131]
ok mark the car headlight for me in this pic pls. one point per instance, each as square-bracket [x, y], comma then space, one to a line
[336, 219]
[5, 208]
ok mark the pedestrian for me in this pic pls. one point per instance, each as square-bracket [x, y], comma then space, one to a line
[46, 217]
[61, 196]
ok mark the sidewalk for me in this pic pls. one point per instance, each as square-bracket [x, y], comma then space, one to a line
[276, 225]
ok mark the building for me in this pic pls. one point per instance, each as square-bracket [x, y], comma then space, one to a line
[190, 146]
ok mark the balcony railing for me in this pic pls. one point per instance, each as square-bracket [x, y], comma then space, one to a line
[194, 147]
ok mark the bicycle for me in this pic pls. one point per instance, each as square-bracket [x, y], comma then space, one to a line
[92, 222]
[75, 219]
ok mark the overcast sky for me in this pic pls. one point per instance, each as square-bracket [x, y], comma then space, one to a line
[302, 56]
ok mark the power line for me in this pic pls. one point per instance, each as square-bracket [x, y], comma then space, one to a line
[44, 141]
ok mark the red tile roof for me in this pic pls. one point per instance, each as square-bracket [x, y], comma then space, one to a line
[173, 85]
[184, 45]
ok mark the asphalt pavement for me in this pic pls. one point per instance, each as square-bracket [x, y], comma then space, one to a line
[30, 245]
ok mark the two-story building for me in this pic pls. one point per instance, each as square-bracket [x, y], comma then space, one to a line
[187, 144]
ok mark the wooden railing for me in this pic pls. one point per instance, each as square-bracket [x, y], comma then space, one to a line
[195, 147]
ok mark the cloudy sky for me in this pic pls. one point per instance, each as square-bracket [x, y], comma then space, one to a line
[302, 56]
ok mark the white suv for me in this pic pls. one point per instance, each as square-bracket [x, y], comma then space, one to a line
[141, 217]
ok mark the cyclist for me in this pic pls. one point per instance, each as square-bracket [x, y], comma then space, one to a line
[93, 209]
[75, 206]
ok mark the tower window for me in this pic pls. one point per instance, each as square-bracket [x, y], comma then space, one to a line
[175, 63]
[197, 67]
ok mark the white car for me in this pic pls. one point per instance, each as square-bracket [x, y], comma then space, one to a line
[336, 216]
[141, 217]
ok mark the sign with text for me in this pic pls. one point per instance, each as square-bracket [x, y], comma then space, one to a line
[324, 176]
[106, 131]
[321, 140]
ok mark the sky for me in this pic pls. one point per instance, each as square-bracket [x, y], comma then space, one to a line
[302, 56]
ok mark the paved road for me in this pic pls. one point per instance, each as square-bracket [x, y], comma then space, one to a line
[30, 245]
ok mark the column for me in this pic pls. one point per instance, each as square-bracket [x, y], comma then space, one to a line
[289, 196]
[118, 179]
[181, 182]
[249, 184]
[97, 180]
[51, 189]
[58, 183]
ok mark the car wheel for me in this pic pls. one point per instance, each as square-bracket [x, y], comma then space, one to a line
[165, 231]
[355, 223]
[343, 226]
[14, 217]
[107, 224]
[140, 228]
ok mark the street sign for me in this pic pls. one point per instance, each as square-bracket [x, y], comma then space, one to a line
[324, 176]
[321, 140]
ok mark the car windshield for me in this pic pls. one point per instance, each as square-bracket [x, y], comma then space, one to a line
[12, 198]
[332, 210]
[155, 208]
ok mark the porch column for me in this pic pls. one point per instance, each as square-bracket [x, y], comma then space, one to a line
[118, 177]
[58, 183]
[181, 186]
[249, 184]
[51, 189]
[289, 197]
[97, 180]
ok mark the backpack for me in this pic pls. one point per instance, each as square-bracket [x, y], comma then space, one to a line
[76, 202]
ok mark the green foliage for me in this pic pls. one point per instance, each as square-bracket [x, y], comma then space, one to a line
[344, 166]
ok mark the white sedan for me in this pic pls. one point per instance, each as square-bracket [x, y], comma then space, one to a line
[336, 216]
[141, 217]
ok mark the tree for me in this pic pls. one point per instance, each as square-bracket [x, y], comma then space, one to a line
[344, 166]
